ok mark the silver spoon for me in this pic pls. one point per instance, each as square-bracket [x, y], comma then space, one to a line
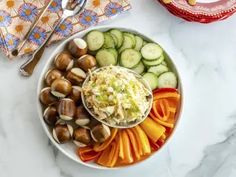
[69, 9]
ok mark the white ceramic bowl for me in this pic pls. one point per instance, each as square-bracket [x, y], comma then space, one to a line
[132, 123]
[69, 148]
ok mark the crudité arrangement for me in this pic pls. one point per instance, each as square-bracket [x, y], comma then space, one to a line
[115, 77]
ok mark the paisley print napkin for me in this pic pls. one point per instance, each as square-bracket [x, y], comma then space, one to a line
[17, 16]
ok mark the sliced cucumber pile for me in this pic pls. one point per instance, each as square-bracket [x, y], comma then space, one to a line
[115, 47]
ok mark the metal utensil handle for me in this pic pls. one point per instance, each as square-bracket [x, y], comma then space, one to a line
[27, 68]
[18, 49]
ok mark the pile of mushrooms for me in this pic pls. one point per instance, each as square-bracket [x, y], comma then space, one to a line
[61, 98]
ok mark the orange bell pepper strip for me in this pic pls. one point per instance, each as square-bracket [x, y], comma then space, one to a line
[167, 95]
[163, 93]
[87, 153]
[161, 109]
[103, 159]
[165, 109]
[154, 145]
[165, 124]
[155, 107]
[100, 147]
[128, 158]
[110, 155]
[120, 144]
[142, 137]
[139, 143]
[134, 144]
[152, 129]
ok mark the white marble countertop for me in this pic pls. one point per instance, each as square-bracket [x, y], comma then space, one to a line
[205, 141]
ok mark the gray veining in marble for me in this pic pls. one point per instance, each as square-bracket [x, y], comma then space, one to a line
[204, 144]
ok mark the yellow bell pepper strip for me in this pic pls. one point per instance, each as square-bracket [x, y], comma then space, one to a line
[152, 129]
[140, 135]
[165, 124]
[101, 146]
[87, 153]
[134, 144]
[120, 144]
[115, 155]
[128, 158]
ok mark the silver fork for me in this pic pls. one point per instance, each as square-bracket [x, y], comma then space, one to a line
[69, 9]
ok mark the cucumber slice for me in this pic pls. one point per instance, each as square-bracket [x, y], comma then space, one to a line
[132, 37]
[95, 40]
[144, 43]
[130, 58]
[118, 35]
[108, 42]
[105, 57]
[127, 43]
[167, 80]
[114, 52]
[164, 63]
[139, 68]
[158, 70]
[114, 39]
[139, 43]
[153, 62]
[151, 79]
[151, 51]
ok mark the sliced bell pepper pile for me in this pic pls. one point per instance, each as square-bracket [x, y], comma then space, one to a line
[134, 144]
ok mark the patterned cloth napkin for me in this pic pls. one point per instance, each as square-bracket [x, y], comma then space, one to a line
[17, 16]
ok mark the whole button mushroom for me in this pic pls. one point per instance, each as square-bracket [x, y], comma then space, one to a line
[46, 97]
[75, 94]
[81, 137]
[62, 132]
[52, 75]
[77, 47]
[100, 133]
[82, 117]
[61, 88]
[76, 76]
[66, 109]
[86, 62]
[50, 115]
[64, 61]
